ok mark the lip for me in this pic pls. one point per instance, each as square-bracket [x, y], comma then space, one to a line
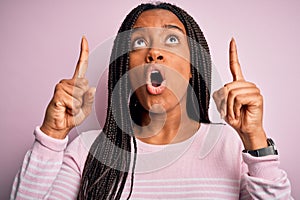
[150, 88]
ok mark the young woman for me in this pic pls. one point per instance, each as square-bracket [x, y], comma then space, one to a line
[158, 141]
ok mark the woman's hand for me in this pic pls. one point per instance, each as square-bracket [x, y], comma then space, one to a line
[241, 105]
[72, 100]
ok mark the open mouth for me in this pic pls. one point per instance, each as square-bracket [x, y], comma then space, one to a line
[156, 82]
[156, 78]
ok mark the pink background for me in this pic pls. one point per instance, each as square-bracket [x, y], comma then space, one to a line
[40, 44]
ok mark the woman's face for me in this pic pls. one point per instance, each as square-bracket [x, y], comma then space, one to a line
[159, 60]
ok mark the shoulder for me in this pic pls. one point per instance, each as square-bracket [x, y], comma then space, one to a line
[220, 138]
[84, 140]
[79, 148]
[230, 138]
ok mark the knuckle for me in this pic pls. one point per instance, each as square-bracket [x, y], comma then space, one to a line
[87, 110]
[58, 87]
[258, 90]
[80, 93]
[230, 86]
[58, 94]
[85, 81]
[57, 103]
[63, 81]
[250, 84]
[77, 104]
[234, 62]
[253, 84]
[77, 92]
[227, 85]
[75, 111]
[215, 95]
[238, 99]
[83, 61]
[260, 97]
[232, 93]
[67, 82]
[82, 82]
[89, 95]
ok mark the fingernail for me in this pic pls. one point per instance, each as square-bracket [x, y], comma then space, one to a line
[222, 115]
[93, 91]
[83, 37]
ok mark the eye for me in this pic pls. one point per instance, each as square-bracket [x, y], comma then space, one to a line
[172, 39]
[139, 43]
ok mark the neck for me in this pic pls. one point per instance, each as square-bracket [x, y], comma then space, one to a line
[164, 128]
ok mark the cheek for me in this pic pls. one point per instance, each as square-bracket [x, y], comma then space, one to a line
[137, 78]
[136, 58]
[183, 68]
[186, 73]
[180, 62]
[136, 70]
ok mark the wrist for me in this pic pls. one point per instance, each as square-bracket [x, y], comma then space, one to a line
[53, 144]
[54, 133]
[253, 142]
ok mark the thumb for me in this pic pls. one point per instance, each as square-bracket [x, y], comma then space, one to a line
[88, 100]
[220, 98]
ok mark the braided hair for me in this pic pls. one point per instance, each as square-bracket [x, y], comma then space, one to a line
[110, 159]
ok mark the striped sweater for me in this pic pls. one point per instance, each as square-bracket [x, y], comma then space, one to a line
[209, 165]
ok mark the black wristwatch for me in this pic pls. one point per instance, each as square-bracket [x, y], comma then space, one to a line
[270, 150]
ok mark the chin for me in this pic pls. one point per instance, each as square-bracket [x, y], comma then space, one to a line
[157, 108]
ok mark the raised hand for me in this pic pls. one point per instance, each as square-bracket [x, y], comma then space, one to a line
[72, 100]
[241, 105]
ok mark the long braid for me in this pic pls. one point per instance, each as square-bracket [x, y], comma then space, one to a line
[108, 162]
[201, 69]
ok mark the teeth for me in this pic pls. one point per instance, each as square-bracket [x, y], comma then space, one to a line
[156, 78]
[155, 72]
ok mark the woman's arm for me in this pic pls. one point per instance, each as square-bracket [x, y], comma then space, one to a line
[47, 168]
[263, 179]
[40, 167]
[241, 105]
[51, 170]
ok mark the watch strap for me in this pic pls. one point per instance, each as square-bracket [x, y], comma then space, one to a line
[270, 150]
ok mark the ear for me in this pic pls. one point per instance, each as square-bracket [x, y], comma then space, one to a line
[191, 75]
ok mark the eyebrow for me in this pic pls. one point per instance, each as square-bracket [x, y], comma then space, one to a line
[167, 26]
[170, 26]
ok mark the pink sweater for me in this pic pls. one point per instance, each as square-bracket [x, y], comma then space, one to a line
[209, 165]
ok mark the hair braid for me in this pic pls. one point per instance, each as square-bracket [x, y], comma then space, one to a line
[108, 162]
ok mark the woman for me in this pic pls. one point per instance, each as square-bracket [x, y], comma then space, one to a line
[161, 61]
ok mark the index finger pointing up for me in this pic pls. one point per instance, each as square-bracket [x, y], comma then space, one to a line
[235, 67]
[82, 63]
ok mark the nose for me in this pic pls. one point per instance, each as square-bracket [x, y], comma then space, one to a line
[154, 55]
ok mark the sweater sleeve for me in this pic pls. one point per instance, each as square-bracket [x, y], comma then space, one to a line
[263, 179]
[51, 170]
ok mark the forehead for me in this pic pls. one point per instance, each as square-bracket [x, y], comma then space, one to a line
[158, 18]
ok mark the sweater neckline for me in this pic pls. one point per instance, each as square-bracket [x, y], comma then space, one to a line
[152, 157]
[144, 147]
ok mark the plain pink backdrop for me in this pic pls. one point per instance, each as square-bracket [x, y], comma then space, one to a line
[40, 45]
